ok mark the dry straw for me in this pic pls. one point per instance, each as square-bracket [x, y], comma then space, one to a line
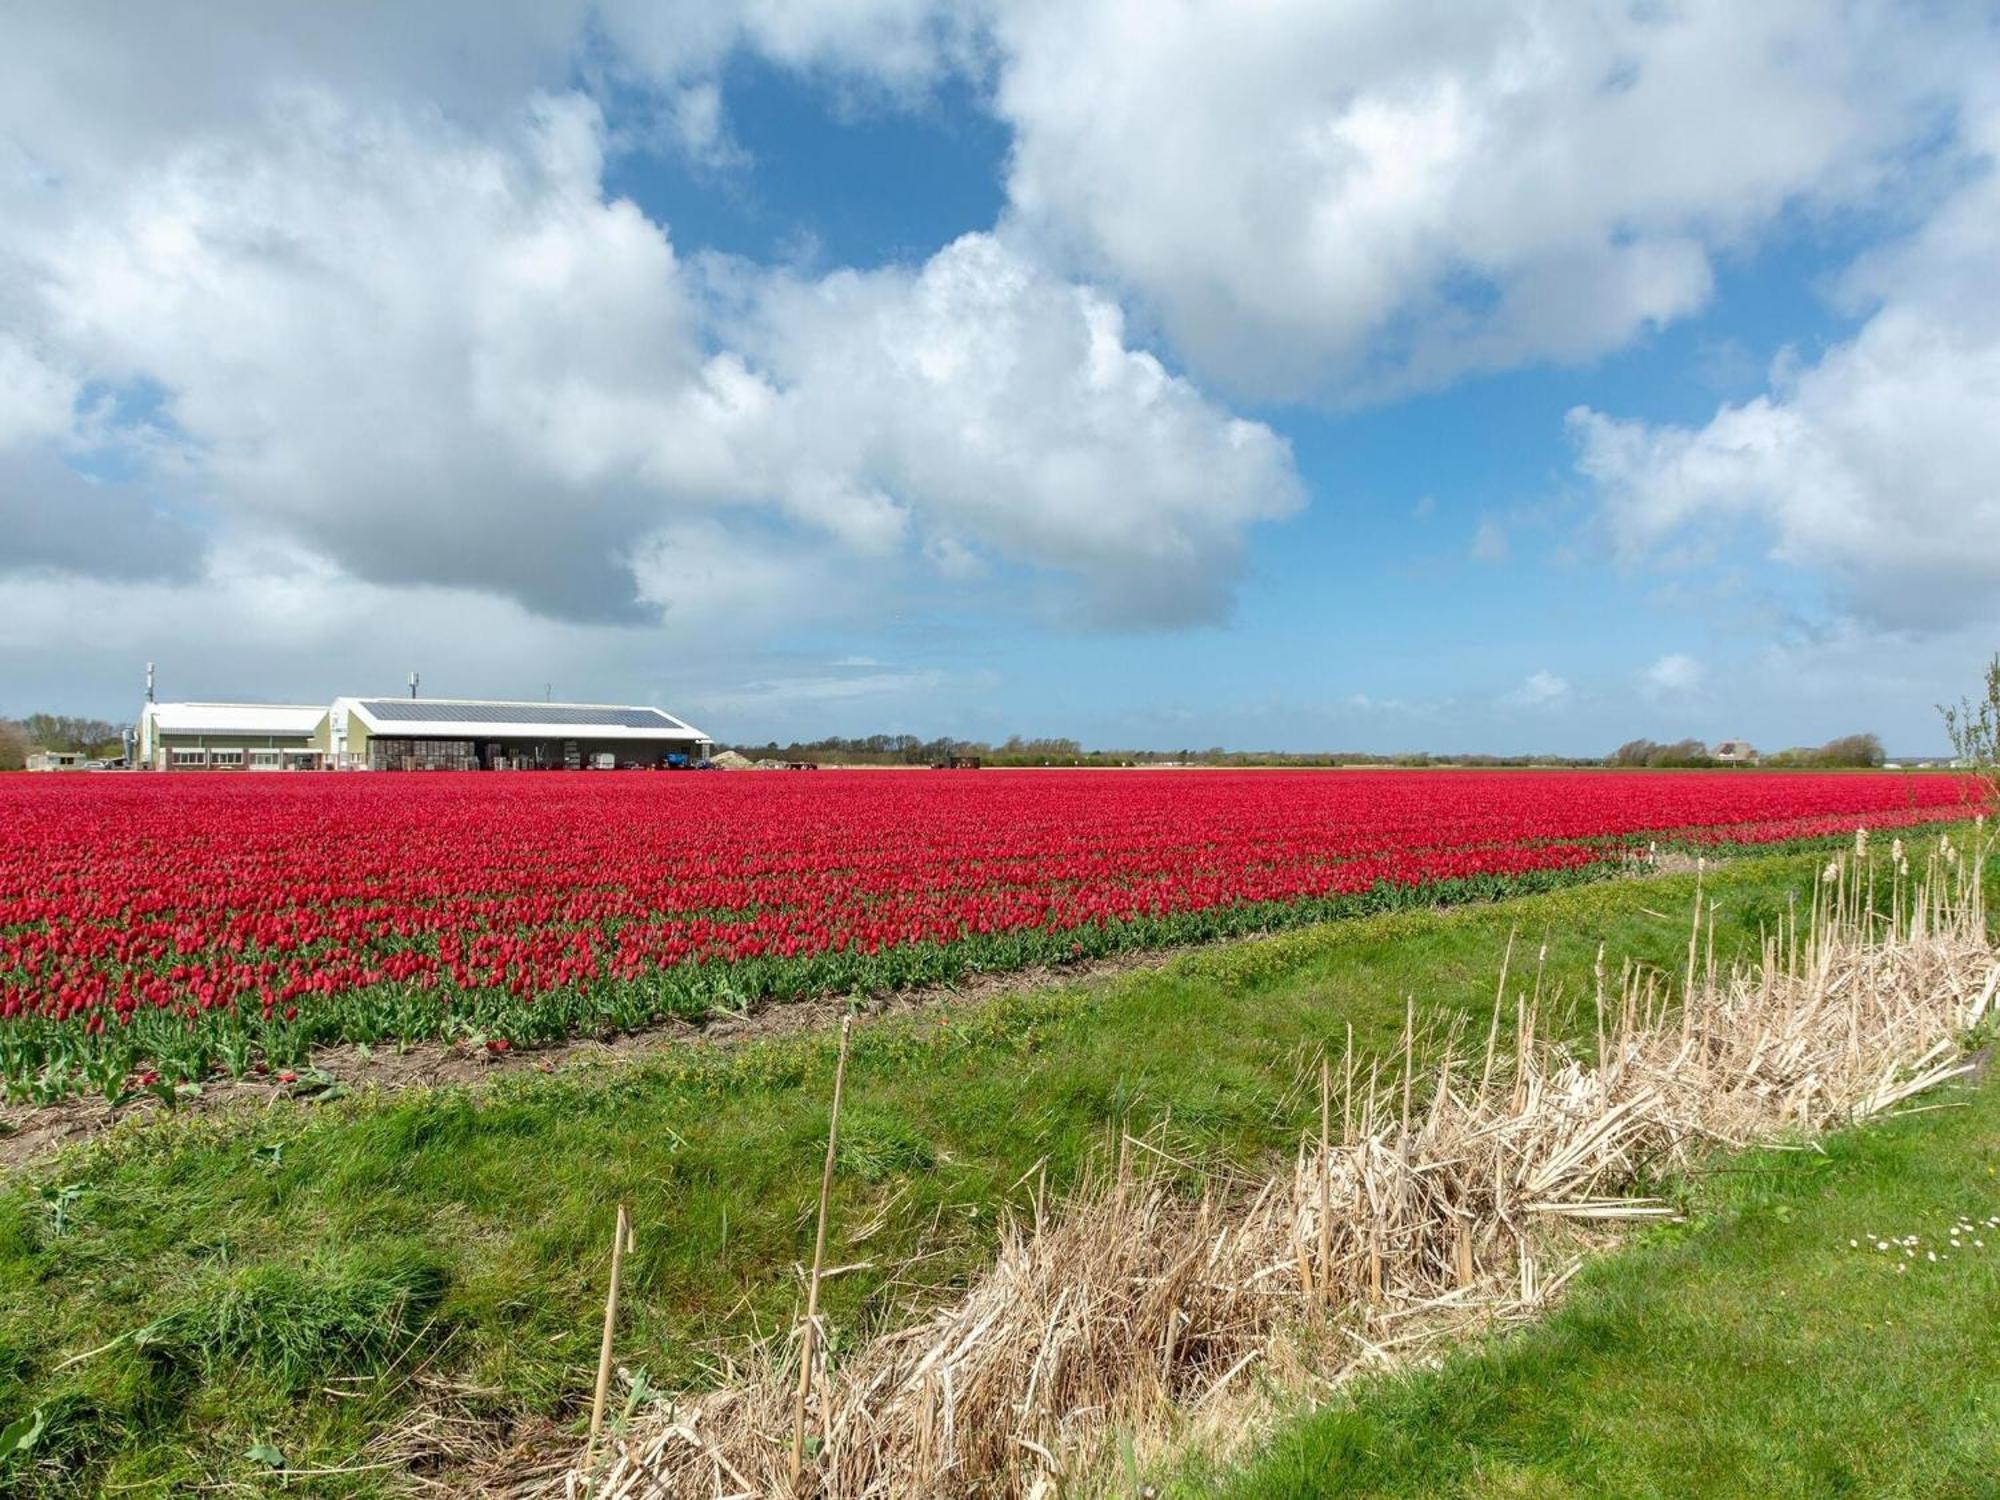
[621, 1241]
[1140, 1306]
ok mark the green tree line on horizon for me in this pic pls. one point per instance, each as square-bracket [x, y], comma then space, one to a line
[1849, 751]
[21, 737]
[913, 750]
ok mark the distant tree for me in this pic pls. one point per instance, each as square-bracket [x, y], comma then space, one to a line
[1632, 753]
[1974, 727]
[1017, 751]
[67, 732]
[1852, 750]
[1679, 755]
[13, 746]
[1058, 750]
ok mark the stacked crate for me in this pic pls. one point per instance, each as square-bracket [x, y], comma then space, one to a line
[421, 755]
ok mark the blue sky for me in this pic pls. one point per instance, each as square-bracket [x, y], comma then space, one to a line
[1340, 380]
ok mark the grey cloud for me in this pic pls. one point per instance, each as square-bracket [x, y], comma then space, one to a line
[89, 85]
[53, 520]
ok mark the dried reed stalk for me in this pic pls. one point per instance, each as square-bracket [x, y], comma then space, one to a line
[621, 1241]
[809, 1334]
[1139, 1304]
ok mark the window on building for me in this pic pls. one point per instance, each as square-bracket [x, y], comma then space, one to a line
[227, 757]
[263, 760]
[190, 757]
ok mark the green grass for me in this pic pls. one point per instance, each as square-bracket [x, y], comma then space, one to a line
[1751, 1352]
[242, 1267]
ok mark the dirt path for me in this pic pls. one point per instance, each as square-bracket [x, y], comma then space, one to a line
[29, 1132]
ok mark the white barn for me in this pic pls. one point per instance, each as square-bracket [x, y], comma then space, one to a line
[232, 737]
[466, 734]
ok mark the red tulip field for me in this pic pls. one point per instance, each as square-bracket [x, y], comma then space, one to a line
[165, 927]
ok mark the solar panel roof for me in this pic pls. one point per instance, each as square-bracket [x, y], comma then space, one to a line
[409, 711]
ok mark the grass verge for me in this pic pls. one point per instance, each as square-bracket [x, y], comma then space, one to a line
[1764, 1347]
[274, 1281]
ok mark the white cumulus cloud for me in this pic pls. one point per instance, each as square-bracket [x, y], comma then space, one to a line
[1386, 193]
[1676, 672]
[434, 356]
[1542, 689]
[1871, 467]
[1010, 405]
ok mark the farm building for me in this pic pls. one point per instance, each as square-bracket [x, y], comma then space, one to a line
[1735, 752]
[454, 734]
[232, 737]
[56, 760]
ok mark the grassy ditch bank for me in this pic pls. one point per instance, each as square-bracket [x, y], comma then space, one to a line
[1764, 1347]
[298, 1280]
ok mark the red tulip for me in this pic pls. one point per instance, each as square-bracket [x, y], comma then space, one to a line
[200, 899]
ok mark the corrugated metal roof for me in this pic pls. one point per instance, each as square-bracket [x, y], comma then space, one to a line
[235, 718]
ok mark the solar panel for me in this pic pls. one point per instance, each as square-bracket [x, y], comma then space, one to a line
[411, 711]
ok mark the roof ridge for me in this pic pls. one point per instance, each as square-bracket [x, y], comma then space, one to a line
[502, 702]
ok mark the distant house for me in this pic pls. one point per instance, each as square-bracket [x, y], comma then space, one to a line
[1735, 752]
[56, 760]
